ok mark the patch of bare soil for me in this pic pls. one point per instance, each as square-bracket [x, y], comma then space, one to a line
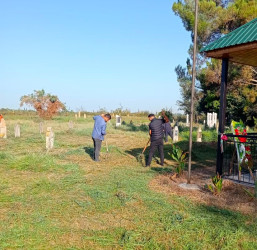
[232, 196]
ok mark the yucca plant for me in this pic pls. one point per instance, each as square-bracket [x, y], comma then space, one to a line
[179, 156]
[216, 185]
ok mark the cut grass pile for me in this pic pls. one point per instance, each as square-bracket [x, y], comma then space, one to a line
[64, 200]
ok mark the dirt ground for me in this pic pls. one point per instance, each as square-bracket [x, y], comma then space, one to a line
[232, 197]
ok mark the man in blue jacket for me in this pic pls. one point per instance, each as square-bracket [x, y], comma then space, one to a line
[98, 133]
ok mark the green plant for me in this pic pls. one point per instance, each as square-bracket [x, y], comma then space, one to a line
[216, 185]
[179, 156]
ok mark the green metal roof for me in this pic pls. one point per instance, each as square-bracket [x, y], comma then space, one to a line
[247, 33]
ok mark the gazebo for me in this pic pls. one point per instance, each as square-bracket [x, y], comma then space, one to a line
[238, 46]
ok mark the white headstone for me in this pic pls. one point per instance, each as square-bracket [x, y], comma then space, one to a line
[175, 134]
[214, 119]
[76, 116]
[79, 114]
[118, 120]
[199, 135]
[211, 119]
[41, 127]
[17, 130]
[187, 124]
[85, 116]
[49, 138]
[3, 130]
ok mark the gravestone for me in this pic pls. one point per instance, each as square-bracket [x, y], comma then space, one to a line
[17, 131]
[118, 120]
[85, 116]
[49, 138]
[70, 124]
[211, 119]
[199, 135]
[41, 127]
[175, 134]
[187, 123]
[79, 114]
[76, 116]
[3, 130]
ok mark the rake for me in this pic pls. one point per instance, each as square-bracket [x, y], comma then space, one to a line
[141, 157]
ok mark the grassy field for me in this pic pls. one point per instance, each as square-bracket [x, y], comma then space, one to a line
[64, 200]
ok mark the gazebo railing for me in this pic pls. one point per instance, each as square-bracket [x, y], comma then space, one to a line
[233, 168]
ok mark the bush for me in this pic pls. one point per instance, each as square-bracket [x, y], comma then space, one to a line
[216, 185]
[179, 156]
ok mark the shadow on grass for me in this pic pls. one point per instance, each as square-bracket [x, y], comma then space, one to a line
[133, 128]
[203, 154]
[136, 152]
[162, 170]
[89, 151]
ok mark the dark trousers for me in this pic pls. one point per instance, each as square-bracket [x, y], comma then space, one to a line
[97, 148]
[167, 134]
[154, 145]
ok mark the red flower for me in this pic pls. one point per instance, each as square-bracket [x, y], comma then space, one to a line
[224, 138]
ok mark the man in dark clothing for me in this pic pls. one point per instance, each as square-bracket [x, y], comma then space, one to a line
[99, 132]
[156, 134]
[167, 129]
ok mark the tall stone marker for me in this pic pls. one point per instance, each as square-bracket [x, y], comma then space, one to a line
[187, 123]
[17, 131]
[211, 119]
[199, 135]
[49, 138]
[85, 116]
[3, 130]
[76, 116]
[175, 134]
[79, 114]
[41, 127]
[118, 120]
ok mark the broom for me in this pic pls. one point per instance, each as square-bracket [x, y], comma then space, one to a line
[141, 157]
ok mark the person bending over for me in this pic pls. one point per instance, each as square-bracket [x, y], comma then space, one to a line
[156, 134]
[98, 133]
[167, 129]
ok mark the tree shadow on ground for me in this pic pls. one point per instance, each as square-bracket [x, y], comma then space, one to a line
[203, 153]
[89, 151]
[162, 170]
[132, 127]
[138, 151]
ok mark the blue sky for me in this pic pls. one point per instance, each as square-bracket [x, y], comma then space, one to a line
[92, 54]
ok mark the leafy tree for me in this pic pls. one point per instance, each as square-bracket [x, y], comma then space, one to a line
[46, 105]
[218, 17]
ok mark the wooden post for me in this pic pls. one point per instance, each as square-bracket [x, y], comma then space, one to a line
[192, 95]
[222, 113]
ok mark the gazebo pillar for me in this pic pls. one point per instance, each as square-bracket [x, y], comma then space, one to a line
[222, 113]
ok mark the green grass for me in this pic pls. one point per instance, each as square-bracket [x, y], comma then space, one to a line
[64, 200]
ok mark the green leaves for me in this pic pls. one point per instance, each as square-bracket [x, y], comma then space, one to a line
[180, 157]
[216, 185]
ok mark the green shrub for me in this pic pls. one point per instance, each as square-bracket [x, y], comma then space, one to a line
[179, 156]
[216, 185]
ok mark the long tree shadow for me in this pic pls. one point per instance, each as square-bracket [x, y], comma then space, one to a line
[135, 152]
[203, 153]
